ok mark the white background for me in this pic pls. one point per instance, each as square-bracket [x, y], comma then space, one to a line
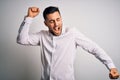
[97, 19]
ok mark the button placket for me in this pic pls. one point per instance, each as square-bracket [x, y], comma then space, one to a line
[52, 57]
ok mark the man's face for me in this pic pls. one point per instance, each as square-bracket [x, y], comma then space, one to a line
[54, 23]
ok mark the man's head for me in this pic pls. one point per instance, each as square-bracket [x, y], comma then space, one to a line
[53, 20]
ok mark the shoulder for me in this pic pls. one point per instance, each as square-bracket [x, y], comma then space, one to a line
[43, 32]
[70, 29]
[73, 31]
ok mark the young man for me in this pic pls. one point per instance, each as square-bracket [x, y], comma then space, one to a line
[58, 45]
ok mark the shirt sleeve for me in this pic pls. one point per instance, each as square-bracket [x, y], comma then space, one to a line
[91, 47]
[24, 37]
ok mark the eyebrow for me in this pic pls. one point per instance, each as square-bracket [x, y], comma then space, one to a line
[53, 19]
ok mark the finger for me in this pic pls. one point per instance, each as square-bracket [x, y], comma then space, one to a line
[29, 9]
[38, 10]
[114, 75]
[34, 9]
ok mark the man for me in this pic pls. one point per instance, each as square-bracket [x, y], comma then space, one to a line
[58, 45]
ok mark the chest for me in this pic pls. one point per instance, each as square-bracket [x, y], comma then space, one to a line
[58, 43]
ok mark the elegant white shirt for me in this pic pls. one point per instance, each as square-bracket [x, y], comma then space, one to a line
[58, 52]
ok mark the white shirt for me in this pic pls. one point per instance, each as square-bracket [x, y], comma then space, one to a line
[58, 52]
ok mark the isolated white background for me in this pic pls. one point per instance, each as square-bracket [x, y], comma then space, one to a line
[97, 19]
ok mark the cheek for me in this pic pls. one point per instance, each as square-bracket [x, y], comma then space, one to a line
[60, 23]
[50, 27]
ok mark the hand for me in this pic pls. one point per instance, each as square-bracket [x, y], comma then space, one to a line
[33, 12]
[114, 73]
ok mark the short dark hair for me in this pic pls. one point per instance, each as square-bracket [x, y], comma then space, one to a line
[49, 10]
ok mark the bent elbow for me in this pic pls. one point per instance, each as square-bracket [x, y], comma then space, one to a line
[21, 41]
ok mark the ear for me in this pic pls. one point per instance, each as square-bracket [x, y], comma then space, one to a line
[45, 23]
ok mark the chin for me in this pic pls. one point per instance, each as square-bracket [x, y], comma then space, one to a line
[57, 34]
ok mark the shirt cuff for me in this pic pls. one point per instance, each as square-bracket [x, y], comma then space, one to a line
[110, 65]
[28, 20]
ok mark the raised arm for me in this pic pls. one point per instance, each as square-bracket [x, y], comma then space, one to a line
[24, 37]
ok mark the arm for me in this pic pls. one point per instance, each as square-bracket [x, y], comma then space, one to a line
[23, 35]
[98, 52]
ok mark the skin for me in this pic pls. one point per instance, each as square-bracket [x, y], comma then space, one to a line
[54, 24]
[53, 21]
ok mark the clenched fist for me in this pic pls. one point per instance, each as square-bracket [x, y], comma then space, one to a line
[114, 73]
[33, 12]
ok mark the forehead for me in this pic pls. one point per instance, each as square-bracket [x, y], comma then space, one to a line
[54, 15]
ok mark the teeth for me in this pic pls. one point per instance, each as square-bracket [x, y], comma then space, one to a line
[56, 28]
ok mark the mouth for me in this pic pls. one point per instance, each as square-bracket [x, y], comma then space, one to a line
[57, 28]
[57, 31]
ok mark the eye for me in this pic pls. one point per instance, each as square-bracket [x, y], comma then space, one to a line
[51, 21]
[58, 19]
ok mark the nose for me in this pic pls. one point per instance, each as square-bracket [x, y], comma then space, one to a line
[56, 23]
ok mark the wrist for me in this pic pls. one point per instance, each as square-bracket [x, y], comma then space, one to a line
[113, 69]
[28, 19]
[30, 16]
